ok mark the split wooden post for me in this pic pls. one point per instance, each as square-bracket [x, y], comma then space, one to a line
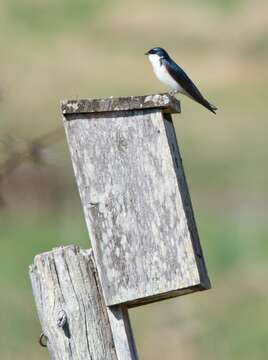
[75, 321]
[140, 220]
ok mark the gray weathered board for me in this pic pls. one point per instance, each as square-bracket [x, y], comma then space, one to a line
[135, 198]
[73, 315]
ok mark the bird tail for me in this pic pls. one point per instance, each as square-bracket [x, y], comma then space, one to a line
[202, 101]
[209, 106]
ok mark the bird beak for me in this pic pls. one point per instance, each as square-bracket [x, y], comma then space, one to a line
[146, 53]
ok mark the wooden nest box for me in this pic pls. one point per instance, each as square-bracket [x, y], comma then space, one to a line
[135, 198]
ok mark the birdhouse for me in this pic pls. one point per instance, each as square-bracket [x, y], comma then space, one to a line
[135, 197]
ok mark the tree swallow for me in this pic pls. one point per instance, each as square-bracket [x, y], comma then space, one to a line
[172, 75]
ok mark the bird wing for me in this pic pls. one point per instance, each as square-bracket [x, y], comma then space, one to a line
[186, 83]
[182, 78]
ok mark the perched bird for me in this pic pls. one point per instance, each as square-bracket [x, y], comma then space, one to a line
[172, 75]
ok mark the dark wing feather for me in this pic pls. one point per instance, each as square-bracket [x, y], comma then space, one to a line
[186, 83]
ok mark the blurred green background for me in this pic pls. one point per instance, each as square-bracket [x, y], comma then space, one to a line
[52, 50]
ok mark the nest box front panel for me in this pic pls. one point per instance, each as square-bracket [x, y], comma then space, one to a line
[128, 172]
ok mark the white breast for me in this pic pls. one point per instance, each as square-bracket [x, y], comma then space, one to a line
[163, 75]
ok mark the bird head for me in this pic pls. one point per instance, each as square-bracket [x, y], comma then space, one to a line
[158, 51]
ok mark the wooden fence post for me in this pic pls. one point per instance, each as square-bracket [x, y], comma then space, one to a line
[74, 318]
[140, 220]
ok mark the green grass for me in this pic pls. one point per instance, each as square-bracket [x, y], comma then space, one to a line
[221, 4]
[230, 318]
[22, 239]
[47, 17]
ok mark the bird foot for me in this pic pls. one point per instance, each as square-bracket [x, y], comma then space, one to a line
[172, 92]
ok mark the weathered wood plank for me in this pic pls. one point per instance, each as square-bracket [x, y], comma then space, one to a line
[186, 200]
[136, 204]
[161, 101]
[66, 286]
[122, 332]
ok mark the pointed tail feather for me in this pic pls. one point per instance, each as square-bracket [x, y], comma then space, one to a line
[209, 106]
[203, 101]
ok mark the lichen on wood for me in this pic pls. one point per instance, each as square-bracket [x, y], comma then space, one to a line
[136, 203]
[113, 104]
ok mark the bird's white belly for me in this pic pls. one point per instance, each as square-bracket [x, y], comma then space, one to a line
[163, 75]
